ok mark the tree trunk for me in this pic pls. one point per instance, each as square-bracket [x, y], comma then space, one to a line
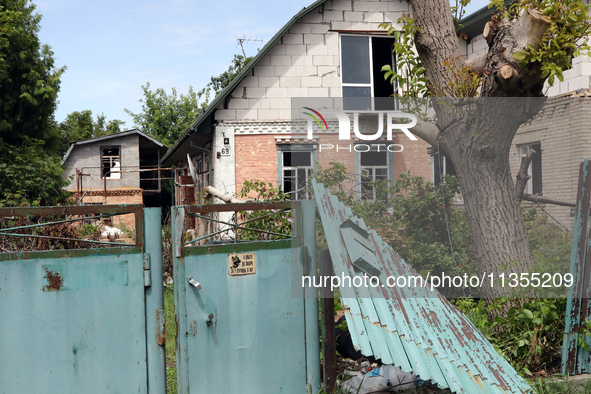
[476, 134]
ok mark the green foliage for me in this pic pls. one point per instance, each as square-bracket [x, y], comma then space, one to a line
[166, 117]
[274, 221]
[410, 73]
[31, 175]
[564, 39]
[29, 84]
[79, 126]
[528, 336]
[88, 230]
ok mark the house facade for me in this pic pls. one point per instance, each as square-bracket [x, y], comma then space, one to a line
[256, 128]
[120, 168]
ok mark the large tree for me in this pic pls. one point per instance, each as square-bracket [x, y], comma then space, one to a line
[29, 84]
[166, 117]
[528, 44]
[80, 125]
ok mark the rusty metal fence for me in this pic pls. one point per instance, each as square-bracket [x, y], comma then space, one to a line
[80, 319]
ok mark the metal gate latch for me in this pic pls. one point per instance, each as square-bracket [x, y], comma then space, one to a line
[194, 283]
[210, 319]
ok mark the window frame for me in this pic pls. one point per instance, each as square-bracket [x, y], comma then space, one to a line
[371, 85]
[359, 168]
[102, 149]
[281, 148]
[529, 186]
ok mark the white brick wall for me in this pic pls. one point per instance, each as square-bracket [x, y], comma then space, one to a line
[306, 61]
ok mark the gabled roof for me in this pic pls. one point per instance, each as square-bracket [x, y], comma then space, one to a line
[111, 136]
[239, 78]
[474, 23]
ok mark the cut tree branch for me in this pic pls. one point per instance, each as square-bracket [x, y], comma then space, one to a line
[544, 200]
[428, 132]
[477, 63]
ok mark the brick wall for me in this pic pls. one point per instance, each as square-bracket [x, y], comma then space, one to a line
[115, 197]
[563, 132]
[256, 158]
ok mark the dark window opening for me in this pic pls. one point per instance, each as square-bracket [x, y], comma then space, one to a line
[362, 59]
[374, 174]
[111, 162]
[442, 167]
[297, 171]
[534, 184]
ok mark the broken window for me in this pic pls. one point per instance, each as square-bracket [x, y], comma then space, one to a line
[362, 59]
[296, 171]
[534, 184]
[374, 173]
[442, 167]
[111, 162]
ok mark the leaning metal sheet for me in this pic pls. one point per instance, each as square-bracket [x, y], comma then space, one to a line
[413, 328]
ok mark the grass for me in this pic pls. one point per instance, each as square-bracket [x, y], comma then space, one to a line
[171, 386]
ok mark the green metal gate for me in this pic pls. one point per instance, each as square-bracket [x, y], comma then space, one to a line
[241, 326]
[82, 320]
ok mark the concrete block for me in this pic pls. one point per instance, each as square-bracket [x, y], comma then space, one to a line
[563, 86]
[297, 92]
[290, 82]
[268, 114]
[238, 103]
[392, 17]
[277, 49]
[280, 103]
[289, 39]
[280, 60]
[255, 92]
[323, 60]
[344, 5]
[299, 27]
[328, 70]
[276, 92]
[306, 71]
[317, 49]
[259, 103]
[268, 82]
[338, 25]
[331, 82]
[249, 82]
[264, 71]
[580, 82]
[371, 6]
[247, 114]
[331, 38]
[301, 60]
[331, 16]
[286, 71]
[354, 16]
[585, 68]
[314, 39]
[311, 82]
[399, 6]
[333, 50]
[313, 17]
[318, 92]
[295, 49]
[225, 114]
[377, 17]
[285, 114]
[319, 28]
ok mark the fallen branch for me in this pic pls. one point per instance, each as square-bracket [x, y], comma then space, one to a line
[540, 199]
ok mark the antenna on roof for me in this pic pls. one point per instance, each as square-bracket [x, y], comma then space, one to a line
[244, 39]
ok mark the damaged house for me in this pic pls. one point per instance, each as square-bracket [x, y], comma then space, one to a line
[121, 168]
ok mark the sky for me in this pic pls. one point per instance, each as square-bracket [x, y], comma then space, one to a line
[112, 48]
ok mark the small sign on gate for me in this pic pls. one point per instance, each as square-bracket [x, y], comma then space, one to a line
[241, 264]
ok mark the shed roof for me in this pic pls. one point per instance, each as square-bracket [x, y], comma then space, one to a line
[109, 137]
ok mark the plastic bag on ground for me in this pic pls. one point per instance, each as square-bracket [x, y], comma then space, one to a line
[386, 377]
